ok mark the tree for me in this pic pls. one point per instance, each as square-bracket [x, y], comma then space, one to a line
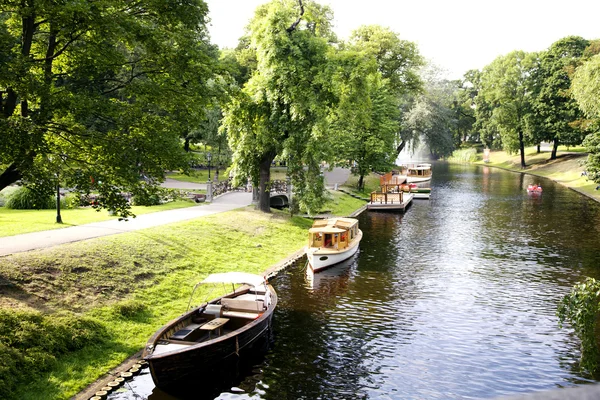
[557, 110]
[364, 122]
[282, 108]
[586, 91]
[90, 89]
[506, 85]
[398, 62]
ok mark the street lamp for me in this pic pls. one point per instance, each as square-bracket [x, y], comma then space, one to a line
[58, 216]
[208, 157]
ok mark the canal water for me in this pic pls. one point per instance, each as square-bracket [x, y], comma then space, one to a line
[454, 299]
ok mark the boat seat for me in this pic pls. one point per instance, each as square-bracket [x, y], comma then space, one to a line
[262, 289]
[189, 333]
[240, 308]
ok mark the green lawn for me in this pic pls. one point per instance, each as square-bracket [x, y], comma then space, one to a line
[133, 283]
[15, 222]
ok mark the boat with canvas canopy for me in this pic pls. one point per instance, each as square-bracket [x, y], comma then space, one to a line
[193, 346]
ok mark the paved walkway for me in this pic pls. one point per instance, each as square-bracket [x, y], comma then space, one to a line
[43, 239]
[337, 176]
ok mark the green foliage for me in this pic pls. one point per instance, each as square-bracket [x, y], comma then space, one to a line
[505, 91]
[581, 308]
[282, 107]
[29, 199]
[30, 344]
[464, 156]
[556, 110]
[101, 93]
[146, 199]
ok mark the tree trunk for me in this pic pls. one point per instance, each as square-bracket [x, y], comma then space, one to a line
[186, 145]
[361, 182]
[539, 148]
[522, 149]
[554, 149]
[264, 195]
[400, 148]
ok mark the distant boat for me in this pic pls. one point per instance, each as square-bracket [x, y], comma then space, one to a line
[331, 241]
[534, 189]
[194, 345]
[417, 172]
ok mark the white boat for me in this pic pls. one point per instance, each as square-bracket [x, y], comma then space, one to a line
[331, 241]
[417, 172]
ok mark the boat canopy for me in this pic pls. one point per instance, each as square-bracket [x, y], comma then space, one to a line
[235, 278]
[326, 229]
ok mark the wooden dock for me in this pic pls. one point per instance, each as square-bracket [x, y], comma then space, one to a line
[390, 201]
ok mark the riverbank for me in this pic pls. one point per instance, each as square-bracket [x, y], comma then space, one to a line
[568, 168]
[114, 292]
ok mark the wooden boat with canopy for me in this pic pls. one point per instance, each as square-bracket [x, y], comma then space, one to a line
[193, 346]
[417, 172]
[331, 241]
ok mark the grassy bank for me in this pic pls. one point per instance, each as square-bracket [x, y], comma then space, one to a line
[566, 169]
[114, 293]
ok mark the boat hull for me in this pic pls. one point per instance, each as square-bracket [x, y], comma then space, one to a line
[199, 363]
[417, 179]
[319, 259]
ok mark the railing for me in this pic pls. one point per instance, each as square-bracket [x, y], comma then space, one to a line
[386, 198]
[218, 188]
[226, 186]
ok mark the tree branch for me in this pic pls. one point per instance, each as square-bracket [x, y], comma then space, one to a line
[295, 24]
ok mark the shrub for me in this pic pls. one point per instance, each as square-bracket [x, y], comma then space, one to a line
[31, 342]
[146, 199]
[581, 308]
[27, 199]
[464, 156]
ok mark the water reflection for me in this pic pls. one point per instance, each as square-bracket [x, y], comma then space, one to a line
[454, 299]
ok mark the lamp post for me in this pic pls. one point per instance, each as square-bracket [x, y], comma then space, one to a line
[58, 216]
[208, 158]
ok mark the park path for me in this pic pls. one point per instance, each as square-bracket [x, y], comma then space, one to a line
[44, 239]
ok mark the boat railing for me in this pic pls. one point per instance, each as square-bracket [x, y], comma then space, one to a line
[386, 198]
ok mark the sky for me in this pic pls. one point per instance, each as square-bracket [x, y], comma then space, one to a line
[455, 35]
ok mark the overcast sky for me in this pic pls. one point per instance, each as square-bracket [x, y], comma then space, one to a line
[456, 35]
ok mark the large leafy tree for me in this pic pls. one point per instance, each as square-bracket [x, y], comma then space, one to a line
[506, 86]
[399, 62]
[586, 91]
[556, 109]
[364, 122]
[91, 91]
[282, 109]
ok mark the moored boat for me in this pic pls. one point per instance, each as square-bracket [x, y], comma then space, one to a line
[193, 346]
[534, 189]
[331, 241]
[417, 172]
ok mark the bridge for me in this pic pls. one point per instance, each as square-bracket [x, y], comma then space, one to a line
[280, 191]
